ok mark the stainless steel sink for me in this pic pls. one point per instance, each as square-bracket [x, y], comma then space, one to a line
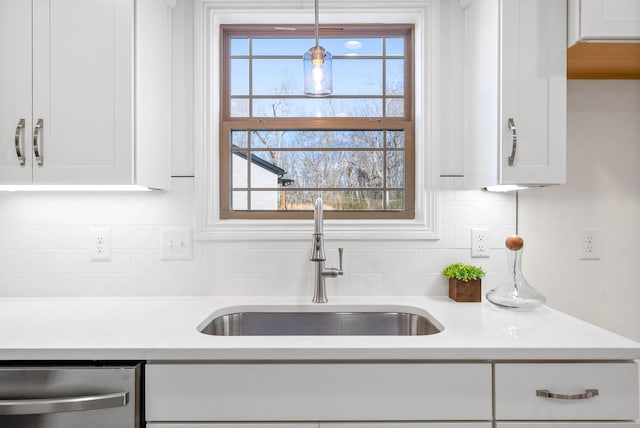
[338, 323]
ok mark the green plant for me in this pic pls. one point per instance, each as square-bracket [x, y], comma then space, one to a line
[463, 272]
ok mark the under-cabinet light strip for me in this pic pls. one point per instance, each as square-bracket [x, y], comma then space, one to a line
[71, 188]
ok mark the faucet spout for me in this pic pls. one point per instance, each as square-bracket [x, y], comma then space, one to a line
[318, 257]
[318, 217]
[317, 245]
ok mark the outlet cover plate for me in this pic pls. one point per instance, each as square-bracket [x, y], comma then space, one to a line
[480, 242]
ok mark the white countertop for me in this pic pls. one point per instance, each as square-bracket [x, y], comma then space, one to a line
[164, 328]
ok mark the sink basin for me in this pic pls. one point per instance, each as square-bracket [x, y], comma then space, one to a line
[323, 323]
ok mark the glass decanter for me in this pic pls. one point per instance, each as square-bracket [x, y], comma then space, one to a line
[515, 292]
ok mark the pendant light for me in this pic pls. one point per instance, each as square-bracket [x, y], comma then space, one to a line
[317, 68]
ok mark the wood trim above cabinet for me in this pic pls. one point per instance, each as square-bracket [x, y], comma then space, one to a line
[603, 61]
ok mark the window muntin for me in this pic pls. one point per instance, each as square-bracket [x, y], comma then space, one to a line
[355, 148]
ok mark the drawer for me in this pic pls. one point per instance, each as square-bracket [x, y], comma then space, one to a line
[516, 387]
[335, 425]
[318, 392]
[566, 425]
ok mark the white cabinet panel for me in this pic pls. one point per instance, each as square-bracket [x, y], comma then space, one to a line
[407, 425]
[515, 121]
[15, 90]
[318, 392]
[567, 425]
[329, 425]
[232, 425]
[83, 83]
[609, 20]
[516, 387]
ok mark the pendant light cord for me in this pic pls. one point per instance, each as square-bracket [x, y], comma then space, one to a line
[317, 20]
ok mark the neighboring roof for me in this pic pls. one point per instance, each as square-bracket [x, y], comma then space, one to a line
[262, 163]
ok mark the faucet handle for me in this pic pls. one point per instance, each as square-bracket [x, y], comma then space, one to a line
[340, 251]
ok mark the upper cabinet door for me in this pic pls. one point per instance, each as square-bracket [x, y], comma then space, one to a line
[83, 91]
[610, 19]
[515, 100]
[533, 92]
[15, 91]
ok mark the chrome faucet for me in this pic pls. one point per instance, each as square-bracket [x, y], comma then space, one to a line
[317, 255]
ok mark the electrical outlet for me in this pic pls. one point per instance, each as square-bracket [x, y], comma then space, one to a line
[479, 242]
[100, 245]
[177, 244]
[588, 244]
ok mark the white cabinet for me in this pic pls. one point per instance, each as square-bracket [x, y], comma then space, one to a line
[515, 92]
[604, 20]
[392, 395]
[85, 87]
[318, 392]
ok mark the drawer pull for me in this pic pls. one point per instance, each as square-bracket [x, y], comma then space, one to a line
[588, 393]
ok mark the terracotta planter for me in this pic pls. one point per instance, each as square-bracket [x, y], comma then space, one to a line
[461, 291]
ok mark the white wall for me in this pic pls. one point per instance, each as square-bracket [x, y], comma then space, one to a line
[603, 193]
[44, 238]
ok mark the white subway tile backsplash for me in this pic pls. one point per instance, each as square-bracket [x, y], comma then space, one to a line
[44, 240]
[462, 212]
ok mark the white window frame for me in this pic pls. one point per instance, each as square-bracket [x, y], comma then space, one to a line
[210, 14]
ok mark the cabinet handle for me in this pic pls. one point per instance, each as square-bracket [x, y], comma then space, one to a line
[18, 141]
[588, 393]
[36, 141]
[514, 137]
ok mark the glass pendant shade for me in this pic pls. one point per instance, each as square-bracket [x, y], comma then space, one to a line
[318, 81]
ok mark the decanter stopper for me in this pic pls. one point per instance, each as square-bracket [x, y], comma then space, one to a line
[514, 292]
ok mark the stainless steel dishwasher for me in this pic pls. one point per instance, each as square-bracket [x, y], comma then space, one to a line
[70, 396]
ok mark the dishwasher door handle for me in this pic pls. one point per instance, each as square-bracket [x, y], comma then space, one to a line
[34, 406]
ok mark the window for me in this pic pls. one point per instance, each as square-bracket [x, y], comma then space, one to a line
[279, 149]
[402, 128]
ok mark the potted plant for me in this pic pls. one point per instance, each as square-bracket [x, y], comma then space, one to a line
[465, 282]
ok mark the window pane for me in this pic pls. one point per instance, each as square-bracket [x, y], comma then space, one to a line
[276, 77]
[395, 107]
[395, 139]
[305, 139]
[395, 169]
[317, 107]
[395, 46]
[239, 77]
[239, 170]
[239, 107]
[273, 46]
[395, 77]
[239, 46]
[265, 201]
[355, 46]
[395, 200]
[240, 139]
[239, 201]
[355, 76]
